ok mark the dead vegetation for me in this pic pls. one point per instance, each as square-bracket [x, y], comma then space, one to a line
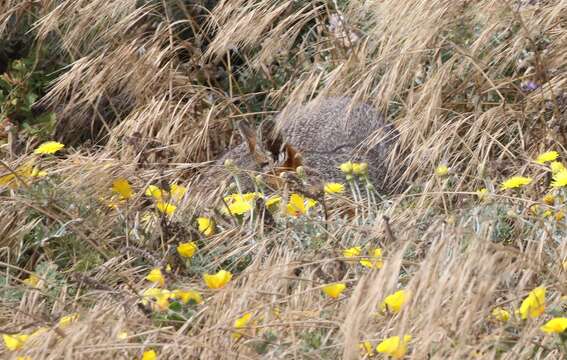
[149, 92]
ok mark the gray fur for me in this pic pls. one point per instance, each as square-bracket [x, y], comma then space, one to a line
[327, 133]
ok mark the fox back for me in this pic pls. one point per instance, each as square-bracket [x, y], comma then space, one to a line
[320, 136]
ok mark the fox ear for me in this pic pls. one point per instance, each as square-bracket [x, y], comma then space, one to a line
[293, 158]
[251, 139]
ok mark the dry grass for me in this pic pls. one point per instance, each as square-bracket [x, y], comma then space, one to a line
[144, 101]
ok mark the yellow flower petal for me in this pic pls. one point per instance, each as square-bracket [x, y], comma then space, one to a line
[500, 314]
[346, 167]
[122, 187]
[547, 157]
[515, 182]
[273, 200]
[394, 346]
[442, 170]
[360, 168]
[334, 188]
[352, 252]
[299, 205]
[49, 147]
[549, 199]
[166, 208]
[31, 281]
[14, 342]
[374, 262]
[559, 179]
[556, 167]
[395, 302]
[241, 323]
[159, 297]
[555, 326]
[187, 250]
[156, 277]
[206, 225]
[149, 355]
[334, 290]
[188, 295]
[157, 193]
[68, 319]
[238, 207]
[218, 280]
[534, 304]
[247, 197]
[482, 194]
[177, 192]
[366, 348]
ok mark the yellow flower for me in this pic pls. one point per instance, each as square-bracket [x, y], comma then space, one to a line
[549, 199]
[559, 179]
[218, 280]
[395, 302]
[122, 187]
[166, 208]
[334, 290]
[352, 252]
[560, 215]
[157, 193]
[334, 188]
[14, 342]
[298, 205]
[556, 325]
[241, 323]
[547, 157]
[67, 320]
[156, 277]
[23, 358]
[238, 207]
[188, 295]
[49, 147]
[374, 262]
[206, 225]
[366, 348]
[346, 167]
[482, 194]
[500, 314]
[442, 170]
[534, 304]
[160, 298]
[149, 355]
[360, 168]
[273, 200]
[242, 197]
[177, 192]
[515, 182]
[556, 167]
[187, 250]
[394, 346]
[31, 281]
